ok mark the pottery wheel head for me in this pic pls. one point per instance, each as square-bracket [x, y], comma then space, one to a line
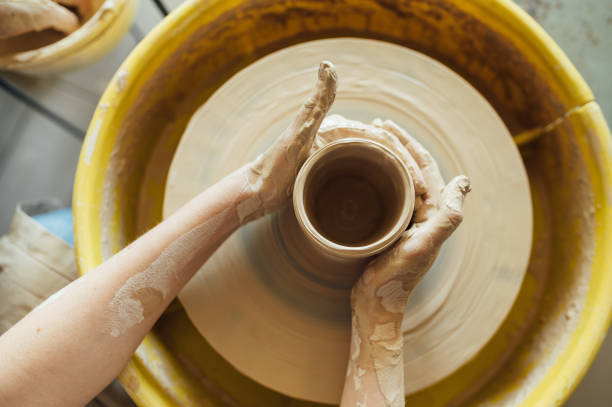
[257, 301]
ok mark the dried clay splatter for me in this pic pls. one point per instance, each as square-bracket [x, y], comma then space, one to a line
[127, 307]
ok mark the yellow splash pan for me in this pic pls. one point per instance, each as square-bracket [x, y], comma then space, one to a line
[563, 311]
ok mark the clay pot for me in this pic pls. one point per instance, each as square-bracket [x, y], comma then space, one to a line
[353, 198]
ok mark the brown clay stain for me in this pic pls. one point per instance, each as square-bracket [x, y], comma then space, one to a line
[149, 298]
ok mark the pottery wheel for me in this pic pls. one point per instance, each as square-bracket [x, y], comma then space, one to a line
[258, 305]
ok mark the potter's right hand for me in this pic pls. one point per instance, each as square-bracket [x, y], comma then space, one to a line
[271, 176]
[388, 281]
[380, 296]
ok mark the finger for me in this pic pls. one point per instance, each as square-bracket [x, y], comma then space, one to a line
[449, 215]
[272, 173]
[301, 133]
[418, 209]
[427, 164]
[295, 143]
[423, 209]
[420, 186]
[324, 92]
[407, 261]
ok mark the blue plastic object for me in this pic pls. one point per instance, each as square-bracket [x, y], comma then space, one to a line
[58, 222]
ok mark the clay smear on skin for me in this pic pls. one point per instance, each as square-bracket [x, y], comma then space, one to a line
[389, 366]
[128, 307]
[354, 369]
[386, 344]
[392, 296]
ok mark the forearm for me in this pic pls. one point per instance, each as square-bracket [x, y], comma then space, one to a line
[70, 347]
[375, 373]
[67, 350]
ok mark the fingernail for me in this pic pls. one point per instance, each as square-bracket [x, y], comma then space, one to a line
[326, 69]
[464, 184]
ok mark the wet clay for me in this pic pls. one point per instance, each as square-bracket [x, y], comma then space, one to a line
[354, 196]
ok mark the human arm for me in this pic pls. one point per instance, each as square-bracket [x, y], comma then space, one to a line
[66, 350]
[375, 375]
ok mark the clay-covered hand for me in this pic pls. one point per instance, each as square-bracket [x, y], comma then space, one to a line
[390, 278]
[271, 176]
[380, 296]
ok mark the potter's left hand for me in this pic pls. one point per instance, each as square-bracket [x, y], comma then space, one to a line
[270, 177]
[113, 308]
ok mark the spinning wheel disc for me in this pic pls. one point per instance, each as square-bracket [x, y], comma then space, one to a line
[255, 302]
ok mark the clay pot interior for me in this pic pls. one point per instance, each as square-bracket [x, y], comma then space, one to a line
[353, 198]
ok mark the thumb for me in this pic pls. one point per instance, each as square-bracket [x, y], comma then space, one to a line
[450, 213]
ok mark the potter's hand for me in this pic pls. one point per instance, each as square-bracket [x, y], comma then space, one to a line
[379, 298]
[391, 277]
[270, 177]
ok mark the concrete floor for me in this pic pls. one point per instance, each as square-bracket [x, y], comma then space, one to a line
[38, 158]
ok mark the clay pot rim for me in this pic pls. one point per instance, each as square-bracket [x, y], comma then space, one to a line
[336, 249]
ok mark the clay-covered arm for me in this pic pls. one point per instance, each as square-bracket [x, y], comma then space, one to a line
[69, 348]
[375, 375]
